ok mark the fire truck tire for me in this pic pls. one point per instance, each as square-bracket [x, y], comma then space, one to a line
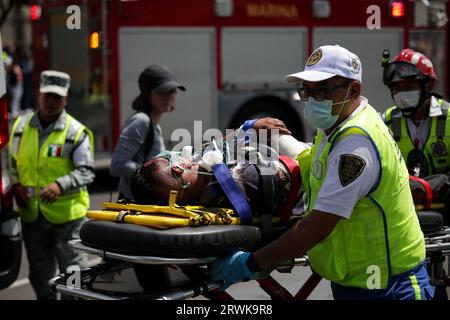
[269, 107]
[11, 250]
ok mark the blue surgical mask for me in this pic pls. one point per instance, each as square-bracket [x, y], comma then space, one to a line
[318, 113]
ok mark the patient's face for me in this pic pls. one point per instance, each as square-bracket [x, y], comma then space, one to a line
[166, 178]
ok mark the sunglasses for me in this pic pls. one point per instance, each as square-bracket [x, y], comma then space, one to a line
[319, 93]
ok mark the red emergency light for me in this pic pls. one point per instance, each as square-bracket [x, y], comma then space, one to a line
[397, 9]
[35, 12]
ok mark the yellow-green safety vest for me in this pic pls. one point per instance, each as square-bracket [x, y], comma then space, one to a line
[38, 167]
[437, 147]
[383, 232]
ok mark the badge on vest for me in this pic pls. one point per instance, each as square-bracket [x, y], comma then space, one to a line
[54, 150]
[317, 170]
[350, 167]
[439, 149]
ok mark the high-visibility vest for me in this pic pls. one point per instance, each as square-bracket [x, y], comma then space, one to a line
[436, 149]
[38, 167]
[383, 234]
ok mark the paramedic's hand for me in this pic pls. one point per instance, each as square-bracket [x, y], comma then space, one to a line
[21, 195]
[231, 269]
[50, 193]
[271, 123]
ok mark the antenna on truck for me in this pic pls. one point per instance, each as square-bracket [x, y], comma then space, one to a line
[386, 56]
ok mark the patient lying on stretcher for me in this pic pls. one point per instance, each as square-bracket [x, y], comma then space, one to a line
[196, 185]
[152, 183]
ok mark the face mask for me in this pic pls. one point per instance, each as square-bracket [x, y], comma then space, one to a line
[407, 100]
[318, 113]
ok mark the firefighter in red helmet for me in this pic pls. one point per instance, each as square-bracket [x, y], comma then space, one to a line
[420, 124]
[419, 120]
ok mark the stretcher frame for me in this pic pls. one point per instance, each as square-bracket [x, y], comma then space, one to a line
[437, 244]
[438, 249]
[192, 267]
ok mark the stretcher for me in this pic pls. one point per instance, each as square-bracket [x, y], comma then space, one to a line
[121, 236]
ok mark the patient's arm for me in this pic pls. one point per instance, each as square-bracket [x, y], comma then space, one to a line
[271, 124]
[299, 239]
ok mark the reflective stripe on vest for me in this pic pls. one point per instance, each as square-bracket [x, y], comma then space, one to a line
[38, 167]
[16, 133]
[383, 231]
[441, 123]
[396, 125]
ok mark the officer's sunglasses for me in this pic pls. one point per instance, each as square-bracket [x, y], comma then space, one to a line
[319, 93]
[403, 70]
[54, 81]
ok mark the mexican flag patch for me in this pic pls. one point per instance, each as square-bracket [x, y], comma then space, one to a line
[54, 150]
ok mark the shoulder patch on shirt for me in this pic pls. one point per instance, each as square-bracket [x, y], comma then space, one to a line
[350, 167]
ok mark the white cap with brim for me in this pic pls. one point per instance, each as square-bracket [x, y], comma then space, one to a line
[54, 82]
[327, 62]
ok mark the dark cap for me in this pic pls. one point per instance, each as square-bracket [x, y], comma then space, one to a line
[158, 78]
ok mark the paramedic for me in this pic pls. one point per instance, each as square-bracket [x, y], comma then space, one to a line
[361, 231]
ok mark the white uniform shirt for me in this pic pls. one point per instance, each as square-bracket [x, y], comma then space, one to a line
[335, 198]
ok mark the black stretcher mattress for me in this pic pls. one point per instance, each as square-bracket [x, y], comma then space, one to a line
[430, 221]
[184, 242]
[188, 242]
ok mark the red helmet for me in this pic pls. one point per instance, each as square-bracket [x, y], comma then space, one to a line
[422, 63]
[409, 64]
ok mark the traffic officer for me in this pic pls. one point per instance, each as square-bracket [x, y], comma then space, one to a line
[419, 120]
[51, 156]
[361, 231]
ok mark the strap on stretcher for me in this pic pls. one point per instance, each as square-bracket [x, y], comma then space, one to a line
[285, 211]
[428, 191]
[172, 215]
[231, 190]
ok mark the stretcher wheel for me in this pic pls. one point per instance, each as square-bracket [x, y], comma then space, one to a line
[184, 242]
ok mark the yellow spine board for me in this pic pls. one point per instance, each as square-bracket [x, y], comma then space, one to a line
[150, 209]
[434, 206]
[170, 216]
[155, 221]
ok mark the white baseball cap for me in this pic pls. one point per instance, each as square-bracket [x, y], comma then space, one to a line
[54, 82]
[329, 61]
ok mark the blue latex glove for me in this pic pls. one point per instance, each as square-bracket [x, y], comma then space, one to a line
[249, 124]
[231, 269]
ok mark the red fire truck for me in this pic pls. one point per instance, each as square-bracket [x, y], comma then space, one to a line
[231, 54]
[10, 237]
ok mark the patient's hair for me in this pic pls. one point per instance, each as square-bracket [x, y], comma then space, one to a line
[149, 185]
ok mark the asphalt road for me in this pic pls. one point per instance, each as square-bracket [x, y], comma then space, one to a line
[101, 192]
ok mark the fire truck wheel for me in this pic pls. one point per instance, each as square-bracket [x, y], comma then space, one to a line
[269, 107]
